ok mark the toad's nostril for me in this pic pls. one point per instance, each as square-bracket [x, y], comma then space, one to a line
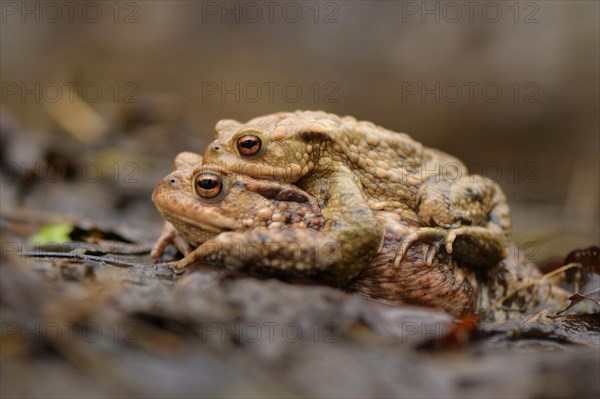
[216, 148]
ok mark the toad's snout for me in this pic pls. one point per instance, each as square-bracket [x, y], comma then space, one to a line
[213, 149]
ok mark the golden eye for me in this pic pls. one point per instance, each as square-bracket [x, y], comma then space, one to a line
[208, 185]
[249, 145]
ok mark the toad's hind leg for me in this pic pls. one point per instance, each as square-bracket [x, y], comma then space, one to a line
[473, 245]
[470, 217]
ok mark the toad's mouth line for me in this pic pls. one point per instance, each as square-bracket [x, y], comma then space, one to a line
[213, 228]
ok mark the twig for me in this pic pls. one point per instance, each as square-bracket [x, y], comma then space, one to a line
[534, 282]
[79, 255]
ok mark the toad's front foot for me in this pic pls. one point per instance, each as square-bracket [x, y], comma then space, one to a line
[168, 236]
[473, 245]
[210, 252]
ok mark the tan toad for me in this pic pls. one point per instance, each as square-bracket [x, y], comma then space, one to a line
[355, 167]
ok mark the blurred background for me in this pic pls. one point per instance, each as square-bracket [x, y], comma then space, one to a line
[98, 97]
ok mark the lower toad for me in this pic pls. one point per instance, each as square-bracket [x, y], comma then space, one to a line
[234, 220]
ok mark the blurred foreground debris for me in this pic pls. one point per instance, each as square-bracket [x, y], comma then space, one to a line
[75, 323]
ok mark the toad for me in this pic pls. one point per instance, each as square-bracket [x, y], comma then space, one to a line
[230, 218]
[353, 168]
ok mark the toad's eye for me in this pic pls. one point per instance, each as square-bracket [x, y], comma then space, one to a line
[208, 185]
[249, 145]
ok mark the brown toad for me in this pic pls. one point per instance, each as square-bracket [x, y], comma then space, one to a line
[225, 215]
[199, 202]
[355, 167]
